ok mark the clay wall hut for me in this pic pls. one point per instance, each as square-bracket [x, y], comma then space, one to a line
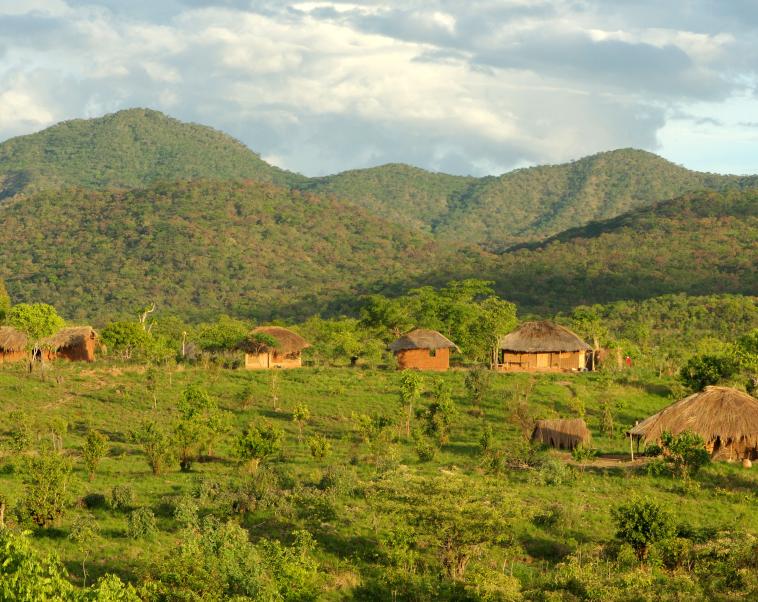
[542, 347]
[423, 349]
[727, 419]
[12, 345]
[76, 343]
[286, 354]
[562, 434]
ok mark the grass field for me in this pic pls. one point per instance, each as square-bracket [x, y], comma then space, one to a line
[351, 526]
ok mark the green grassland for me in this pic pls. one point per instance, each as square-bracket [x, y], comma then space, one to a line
[388, 487]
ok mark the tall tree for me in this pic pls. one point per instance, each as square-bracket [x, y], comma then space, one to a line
[37, 321]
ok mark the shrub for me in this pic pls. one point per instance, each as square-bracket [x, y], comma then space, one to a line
[94, 449]
[155, 444]
[686, 452]
[257, 442]
[319, 446]
[141, 523]
[186, 512]
[21, 431]
[45, 488]
[478, 383]
[703, 370]
[122, 497]
[552, 472]
[426, 448]
[641, 523]
[581, 453]
[338, 479]
[486, 440]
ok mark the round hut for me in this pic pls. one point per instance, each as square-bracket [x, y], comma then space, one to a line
[285, 353]
[76, 343]
[12, 345]
[726, 418]
[567, 433]
[423, 349]
[543, 347]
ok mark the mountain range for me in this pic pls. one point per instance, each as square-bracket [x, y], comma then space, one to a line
[101, 216]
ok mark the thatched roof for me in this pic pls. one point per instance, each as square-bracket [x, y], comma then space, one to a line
[422, 338]
[287, 341]
[720, 412]
[70, 337]
[12, 339]
[562, 433]
[542, 337]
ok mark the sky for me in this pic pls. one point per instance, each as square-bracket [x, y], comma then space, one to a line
[462, 86]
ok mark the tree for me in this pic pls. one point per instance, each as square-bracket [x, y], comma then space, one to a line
[319, 446]
[410, 391]
[300, 416]
[94, 449]
[155, 444]
[199, 426]
[5, 302]
[37, 321]
[226, 334]
[257, 442]
[125, 339]
[83, 532]
[478, 383]
[686, 451]
[708, 369]
[45, 488]
[641, 523]
[440, 414]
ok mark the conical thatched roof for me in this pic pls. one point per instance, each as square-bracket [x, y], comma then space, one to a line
[12, 339]
[422, 338]
[564, 433]
[715, 412]
[70, 337]
[542, 337]
[287, 341]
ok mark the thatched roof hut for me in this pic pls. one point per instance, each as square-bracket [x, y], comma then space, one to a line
[285, 354]
[565, 433]
[72, 336]
[12, 340]
[422, 338]
[423, 349]
[543, 346]
[542, 337]
[726, 418]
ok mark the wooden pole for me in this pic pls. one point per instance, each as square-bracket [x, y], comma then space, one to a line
[631, 446]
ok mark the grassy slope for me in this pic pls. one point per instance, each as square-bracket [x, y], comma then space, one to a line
[113, 398]
[127, 149]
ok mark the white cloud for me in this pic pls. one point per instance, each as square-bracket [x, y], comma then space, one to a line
[322, 86]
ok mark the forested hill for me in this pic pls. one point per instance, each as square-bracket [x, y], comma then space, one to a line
[128, 149]
[700, 243]
[137, 147]
[200, 248]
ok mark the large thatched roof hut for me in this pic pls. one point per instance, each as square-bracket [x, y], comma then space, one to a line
[566, 433]
[287, 353]
[726, 418]
[12, 345]
[423, 349]
[543, 347]
[75, 343]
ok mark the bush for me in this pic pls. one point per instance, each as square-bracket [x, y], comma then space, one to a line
[94, 449]
[257, 442]
[426, 448]
[155, 443]
[45, 488]
[319, 446]
[338, 479]
[686, 452]
[486, 440]
[141, 523]
[552, 472]
[641, 523]
[703, 370]
[582, 453]
[122, 497]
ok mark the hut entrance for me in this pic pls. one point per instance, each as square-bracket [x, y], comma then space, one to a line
[543, 360]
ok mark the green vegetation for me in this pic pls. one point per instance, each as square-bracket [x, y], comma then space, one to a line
[128, 149]
[355, 510]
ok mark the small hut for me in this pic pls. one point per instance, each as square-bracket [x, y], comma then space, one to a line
[562, 434]
[76, 343]
[727, 419]
[423, 349]
[542, 347]
[12, 345]
[287, 353]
